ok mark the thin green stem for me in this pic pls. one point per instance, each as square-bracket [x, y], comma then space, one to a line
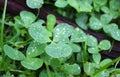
[2, 27]
[2, 36]
[48, 70]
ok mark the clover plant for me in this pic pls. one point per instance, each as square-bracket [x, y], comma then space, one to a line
[33, 47]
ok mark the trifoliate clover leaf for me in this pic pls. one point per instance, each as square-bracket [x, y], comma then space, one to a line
[104, 45]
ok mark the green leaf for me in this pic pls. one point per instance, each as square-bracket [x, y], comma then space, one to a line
[74, 4]
[51, 21]
[58, 50]
[39, 33]
[75, 47]
[73, 69]
[32, 63]
[100, 2]
[62, 32]
[114, 4]
[89, 68]
[13, 53]
[78, 36]
[116, 34]
[35, 4]
[96, 58]
[95, 23]
[91, 41]
[105, 18]
[104, 45]
[81, 21]
[85, 6]
[27, 17]
[93, 50]
[61, 3]
[55, 63]
[35, 49]
[104, 62]
[110, 28]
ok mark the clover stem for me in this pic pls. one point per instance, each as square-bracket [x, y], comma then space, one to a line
[2, 35]
[48, 70]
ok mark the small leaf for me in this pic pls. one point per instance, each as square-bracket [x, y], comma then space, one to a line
[39, 33]
[89, 68]
[62, 32]
[93, 50]
[34, 4]
[105, 18]
[116, 34]
[51, 21]
[104, 62]
[114, 4]
[95, 24]
[35, 49]
[55, 63]
[100, 2]
[13, 54]
[78, 36]
[85, 6]
[91, 41]
[32, 63]
[81, 21]
[73, 69]
[110, 28]
[27, 17]
[74, 4]
[58, 50]
[96, 58]
[75, 47]
[61, 3]
[104, 45]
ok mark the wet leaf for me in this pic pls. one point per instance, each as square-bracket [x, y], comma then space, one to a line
[104, 45]
[61, 3]
[95, 23]
[104, 62]
[39, 33]
[96, 58]
[116, 34]
[35, 4]
[35, 49]
[58, 50]
[27, 17]
[105, 18]
[62, 32]
[91, 41]
[32, 63]
[114, 4]
[72, 69]
[13, 53]
[75, 47]
[78, 36]
[93, 50]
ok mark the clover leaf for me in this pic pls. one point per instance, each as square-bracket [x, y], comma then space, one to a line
[32, 63]
[81, 21]
[62, 32]
[105, 18]
[58, 50]
[104, 45]
[61, 3]
[95, 23]
[35, 49]
[39, 33]
[13, 53]
[73, 69]
[27, 18]
[93, 50]
[51, 21]
[91, 41]
[34, 4]
[96, 58]
[78, 36]
[104, 62]
[110, 28]
[75, 47]
[116, 34]
[74, 4]
[114, 4]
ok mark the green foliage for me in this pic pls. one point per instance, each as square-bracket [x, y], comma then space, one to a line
[33, 46]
